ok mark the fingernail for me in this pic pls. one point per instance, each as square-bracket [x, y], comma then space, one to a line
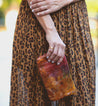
[30, 6]
[47, 57]
[32, 10]
[52, 61]
[48, 60]
[30, 2]
[58, 63]
[37, 13]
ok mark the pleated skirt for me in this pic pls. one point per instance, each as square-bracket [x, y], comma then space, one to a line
[71, 22]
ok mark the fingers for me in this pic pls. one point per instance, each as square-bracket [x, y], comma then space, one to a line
[60, 55]
[44, 12]
[53, 54]
[50, 51]
[40, 10]
[56, 54]
[37, 5]
[41, 7]
[35, 1]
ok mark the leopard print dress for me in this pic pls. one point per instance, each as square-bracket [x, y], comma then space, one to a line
[71, 22]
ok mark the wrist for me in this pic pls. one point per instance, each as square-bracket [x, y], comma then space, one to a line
[50, 29]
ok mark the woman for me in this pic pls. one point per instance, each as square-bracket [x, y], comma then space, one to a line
[58, 28]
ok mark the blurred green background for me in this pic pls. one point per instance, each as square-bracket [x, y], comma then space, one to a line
[8, 14]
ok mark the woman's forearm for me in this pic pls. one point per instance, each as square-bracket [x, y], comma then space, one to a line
[45, 21]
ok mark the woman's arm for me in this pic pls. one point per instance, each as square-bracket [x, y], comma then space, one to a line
[45, 21]
[57, 53]
[44, 7]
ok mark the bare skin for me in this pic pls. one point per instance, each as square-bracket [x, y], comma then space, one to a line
[44, 7]
[57, 53]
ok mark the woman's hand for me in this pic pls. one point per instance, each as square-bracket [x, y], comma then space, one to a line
[43, 7]
[56, 54]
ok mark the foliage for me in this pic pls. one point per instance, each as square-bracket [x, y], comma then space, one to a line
[7, 3]
[18, 1]
[94, 32]
[92, 5]
[1, 14]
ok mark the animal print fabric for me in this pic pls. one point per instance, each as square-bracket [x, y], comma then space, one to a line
[71, 22]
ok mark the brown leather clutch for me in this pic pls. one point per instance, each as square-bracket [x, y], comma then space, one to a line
[56, 78]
